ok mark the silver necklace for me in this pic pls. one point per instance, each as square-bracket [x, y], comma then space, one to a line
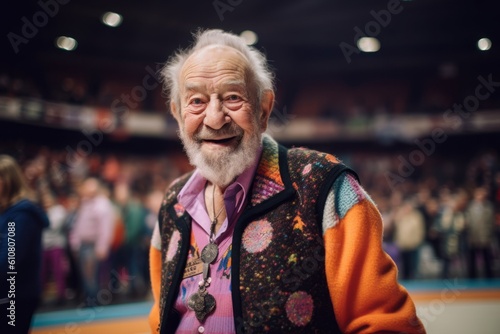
[201, 302]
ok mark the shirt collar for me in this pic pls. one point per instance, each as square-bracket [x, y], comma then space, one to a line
[240, 188]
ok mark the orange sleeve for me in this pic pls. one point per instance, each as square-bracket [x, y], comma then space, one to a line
[155, 273]
[362, 278]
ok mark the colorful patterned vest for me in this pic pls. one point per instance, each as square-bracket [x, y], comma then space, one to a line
[278, 271]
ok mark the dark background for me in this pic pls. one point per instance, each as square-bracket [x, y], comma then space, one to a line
[428, 48]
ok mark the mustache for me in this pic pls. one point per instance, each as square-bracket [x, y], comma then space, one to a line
[228, 130]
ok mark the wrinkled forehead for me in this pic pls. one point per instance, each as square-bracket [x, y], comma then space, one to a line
[212, 61]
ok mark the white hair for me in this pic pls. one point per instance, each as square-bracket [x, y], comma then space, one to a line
[262, 75]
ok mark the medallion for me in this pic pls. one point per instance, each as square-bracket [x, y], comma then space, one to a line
[208, 307]
[209, 253]
[196, 302]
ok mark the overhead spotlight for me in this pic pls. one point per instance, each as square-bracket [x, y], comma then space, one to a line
[484, 44]
[368, 44]
[66, 43]
[249, 37]
[112, 19]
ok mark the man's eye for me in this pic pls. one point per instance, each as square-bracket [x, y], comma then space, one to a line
[233, 98]
[196, 101]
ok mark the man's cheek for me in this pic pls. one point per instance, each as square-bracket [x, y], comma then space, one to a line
[191, 126]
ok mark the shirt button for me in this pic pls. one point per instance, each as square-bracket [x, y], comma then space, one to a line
[201, 329]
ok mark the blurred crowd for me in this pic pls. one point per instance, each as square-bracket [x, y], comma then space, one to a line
[439, 223]
[349, 102]
[82, 91]
[445, 223]
[102, 210]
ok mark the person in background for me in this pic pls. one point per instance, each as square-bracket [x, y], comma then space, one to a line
[450, 226]
[434, 212]
[92, 235]
[409, 236]
[73, 277]
[133, 214]
[428, 207]
[153, 204]
[261, 238]
[480, 223]
[21, 226]
[386, 207]
[111, 171]
[54, 243]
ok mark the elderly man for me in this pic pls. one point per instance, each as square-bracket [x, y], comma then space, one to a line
[260, 238]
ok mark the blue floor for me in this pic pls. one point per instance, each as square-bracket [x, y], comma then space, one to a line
[438, 284]
[90, 314]
[87, 315]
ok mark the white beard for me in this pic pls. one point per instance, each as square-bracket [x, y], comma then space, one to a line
[223, 167]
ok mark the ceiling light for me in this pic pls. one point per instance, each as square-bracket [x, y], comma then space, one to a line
[484, 44]
[368, 44]
[66, 43]
[249, 37]
[112, 19]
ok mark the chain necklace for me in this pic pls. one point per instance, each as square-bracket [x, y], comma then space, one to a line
[201, 302]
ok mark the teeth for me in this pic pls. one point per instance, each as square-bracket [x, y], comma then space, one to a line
[223, 139]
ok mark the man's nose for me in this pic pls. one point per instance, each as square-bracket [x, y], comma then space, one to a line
[215, 117]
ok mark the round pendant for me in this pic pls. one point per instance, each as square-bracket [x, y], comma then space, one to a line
[209, 253]
[208, 307]
[209, 303]
[196, 302]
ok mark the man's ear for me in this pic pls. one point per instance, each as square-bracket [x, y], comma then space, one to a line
[266, 105]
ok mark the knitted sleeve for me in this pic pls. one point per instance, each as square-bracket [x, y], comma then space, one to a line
[362, 278]
[155, 274]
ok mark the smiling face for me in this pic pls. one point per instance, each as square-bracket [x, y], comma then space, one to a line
[219, 118]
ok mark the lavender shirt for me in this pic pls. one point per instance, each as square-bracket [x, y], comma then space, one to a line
[192, 198]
